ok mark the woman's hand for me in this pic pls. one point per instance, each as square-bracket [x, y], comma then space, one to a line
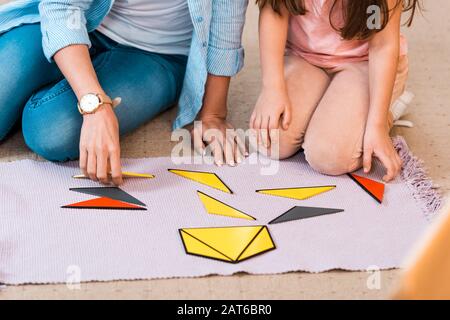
[219, 135]
[99, 137]
[272, 108]
[212, 130]
[378, 143]
[100, 146]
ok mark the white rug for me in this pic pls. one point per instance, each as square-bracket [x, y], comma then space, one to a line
[43, 243]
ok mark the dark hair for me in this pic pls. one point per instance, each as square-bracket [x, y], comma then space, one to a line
[354, 13]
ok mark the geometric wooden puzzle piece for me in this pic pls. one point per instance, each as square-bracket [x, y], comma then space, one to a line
[298, 213]
[110, 192]
[104, 203]
[374, 188]
[207, 178]
[214, 206]
[125, 175]
[301, 193]
[137, 175]
[262, 243]
[230, 244]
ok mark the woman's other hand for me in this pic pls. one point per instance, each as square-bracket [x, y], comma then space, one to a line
[216, 133]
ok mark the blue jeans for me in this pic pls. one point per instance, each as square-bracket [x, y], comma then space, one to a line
[148, 83]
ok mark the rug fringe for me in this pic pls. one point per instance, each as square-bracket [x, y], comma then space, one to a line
[415, 175]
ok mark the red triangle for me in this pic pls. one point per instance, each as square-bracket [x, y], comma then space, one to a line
[104, 203]
[372, 187]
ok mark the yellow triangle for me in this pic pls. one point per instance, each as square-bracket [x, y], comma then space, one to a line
[297, 193]
[216, 207]
[193, 246]
[124, 175]
[229, 241]
[137, 175]
[262, 243]
[206, 178]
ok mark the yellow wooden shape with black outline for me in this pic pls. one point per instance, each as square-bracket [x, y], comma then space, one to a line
[207, 178]
[124, 175]
[230, 244]
[214, 206]
[137, 175]
[301, 193]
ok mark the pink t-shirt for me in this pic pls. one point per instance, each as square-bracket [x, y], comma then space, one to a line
[312, 37]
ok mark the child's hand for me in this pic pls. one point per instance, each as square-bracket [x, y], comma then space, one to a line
[378, 143]
[273, 106]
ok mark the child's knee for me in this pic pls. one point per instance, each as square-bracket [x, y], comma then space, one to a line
[331, 158]
[285, 146]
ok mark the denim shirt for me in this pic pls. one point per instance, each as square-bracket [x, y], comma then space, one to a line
[216, 46]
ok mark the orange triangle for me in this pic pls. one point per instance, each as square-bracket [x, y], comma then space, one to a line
[372, 187]
[104, 203]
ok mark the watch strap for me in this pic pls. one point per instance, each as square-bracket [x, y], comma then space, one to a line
[104, 99]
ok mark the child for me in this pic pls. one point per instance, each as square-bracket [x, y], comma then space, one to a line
[329, 76]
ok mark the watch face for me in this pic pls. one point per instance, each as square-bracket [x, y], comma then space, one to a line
[89, 102]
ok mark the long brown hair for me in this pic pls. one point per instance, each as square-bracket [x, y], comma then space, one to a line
[354, 13]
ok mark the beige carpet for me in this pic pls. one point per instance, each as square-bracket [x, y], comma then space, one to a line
[429, 80]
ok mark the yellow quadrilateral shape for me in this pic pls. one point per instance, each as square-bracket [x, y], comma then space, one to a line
[207, 178]
[230, 244]
[214, 206]
[302, 193]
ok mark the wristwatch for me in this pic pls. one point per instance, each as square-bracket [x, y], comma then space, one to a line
[89, 103]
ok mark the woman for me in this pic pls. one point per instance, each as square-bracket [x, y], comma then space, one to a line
[63, 60]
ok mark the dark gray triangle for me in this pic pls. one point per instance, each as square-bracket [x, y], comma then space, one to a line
[298, 213]
[110, 192]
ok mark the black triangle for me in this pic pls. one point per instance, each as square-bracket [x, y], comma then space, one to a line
[298, 213]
